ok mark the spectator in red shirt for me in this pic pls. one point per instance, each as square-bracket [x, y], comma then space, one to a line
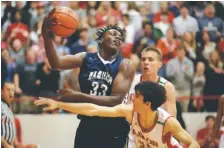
[17, 30]
[204, 135]
[163, 8]
[104, 11]
[168, 45]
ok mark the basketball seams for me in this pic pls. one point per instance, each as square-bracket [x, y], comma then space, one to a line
[67, 15]
[66, 21]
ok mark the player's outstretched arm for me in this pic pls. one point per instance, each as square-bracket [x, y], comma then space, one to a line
[218, 117]
[170, 104]
[87, 109]
[56, 62]
[174, 127]
[121, 85]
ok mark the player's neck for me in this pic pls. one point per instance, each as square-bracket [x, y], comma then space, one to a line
[153, 78]
[106, 56]
[148, 119]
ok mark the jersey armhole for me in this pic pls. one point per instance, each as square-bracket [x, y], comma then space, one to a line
[167, 137]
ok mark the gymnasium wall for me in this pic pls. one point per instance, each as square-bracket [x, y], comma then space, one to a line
[58, 131]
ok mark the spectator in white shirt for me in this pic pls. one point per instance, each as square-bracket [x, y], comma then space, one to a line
[163, 24]
[185, 22]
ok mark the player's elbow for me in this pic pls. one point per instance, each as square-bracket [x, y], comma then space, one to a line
[116, 100]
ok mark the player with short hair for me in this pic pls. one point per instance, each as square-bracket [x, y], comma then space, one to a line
[151, 125]
[151, 61]
[104, 78]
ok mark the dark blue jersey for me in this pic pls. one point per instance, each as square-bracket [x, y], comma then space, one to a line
[96, 77]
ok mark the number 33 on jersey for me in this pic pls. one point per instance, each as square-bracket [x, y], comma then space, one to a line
[97, 75]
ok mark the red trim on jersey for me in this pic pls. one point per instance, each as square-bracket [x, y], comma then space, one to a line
[167, 137]
[150, 128]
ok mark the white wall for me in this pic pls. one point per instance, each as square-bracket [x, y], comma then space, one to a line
[58, 131]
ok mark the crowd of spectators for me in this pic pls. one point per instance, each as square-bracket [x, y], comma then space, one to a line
[190, 36]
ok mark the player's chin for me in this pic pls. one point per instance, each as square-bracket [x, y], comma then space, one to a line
[114, 49]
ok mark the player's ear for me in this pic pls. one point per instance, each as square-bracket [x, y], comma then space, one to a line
[160, 63]
[148, 104]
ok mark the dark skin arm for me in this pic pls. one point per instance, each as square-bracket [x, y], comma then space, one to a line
[56, 62]
[120, 88]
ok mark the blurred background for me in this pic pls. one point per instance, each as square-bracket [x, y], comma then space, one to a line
[197, 27]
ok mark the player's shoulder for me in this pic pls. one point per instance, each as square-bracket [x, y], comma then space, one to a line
[167, 84]
[127, 66]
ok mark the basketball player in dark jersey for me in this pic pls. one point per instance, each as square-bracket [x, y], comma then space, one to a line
[105, 78]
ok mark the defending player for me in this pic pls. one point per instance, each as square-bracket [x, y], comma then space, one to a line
[152, 126]
[150, 64]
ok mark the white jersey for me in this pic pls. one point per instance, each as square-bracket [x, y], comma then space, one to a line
[138, 78]
[152, 137]
[129, 100]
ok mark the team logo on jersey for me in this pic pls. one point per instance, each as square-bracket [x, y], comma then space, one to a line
[143, 141]
[102, 75]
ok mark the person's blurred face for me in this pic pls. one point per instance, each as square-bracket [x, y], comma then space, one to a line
[58, 40]
[92, 21]
[40, 10]
[205, 36]
[147, 29]
[19, 4]
[74, 4]
[163, 6]
[84, 34]
[150, 63]
[16, 45]
[8, 92]
[210, 11]
[92, 3]
[200, 68]
[210, 123]
[30, 57]
[164, 18]
[184, 12]
[125, 20]
[33, 5]
[18, 16]
[180, 54]
[111, 21]
[170, 33]
[188, 36]
[214, 56]
[106, 4]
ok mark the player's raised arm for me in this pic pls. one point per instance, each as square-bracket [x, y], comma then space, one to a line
[56, 62]
[87, 109]
[121, 85]
[173, 127]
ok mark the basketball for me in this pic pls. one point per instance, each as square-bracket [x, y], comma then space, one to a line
[64, 21]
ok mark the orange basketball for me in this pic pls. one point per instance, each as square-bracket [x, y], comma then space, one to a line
[64, 21]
